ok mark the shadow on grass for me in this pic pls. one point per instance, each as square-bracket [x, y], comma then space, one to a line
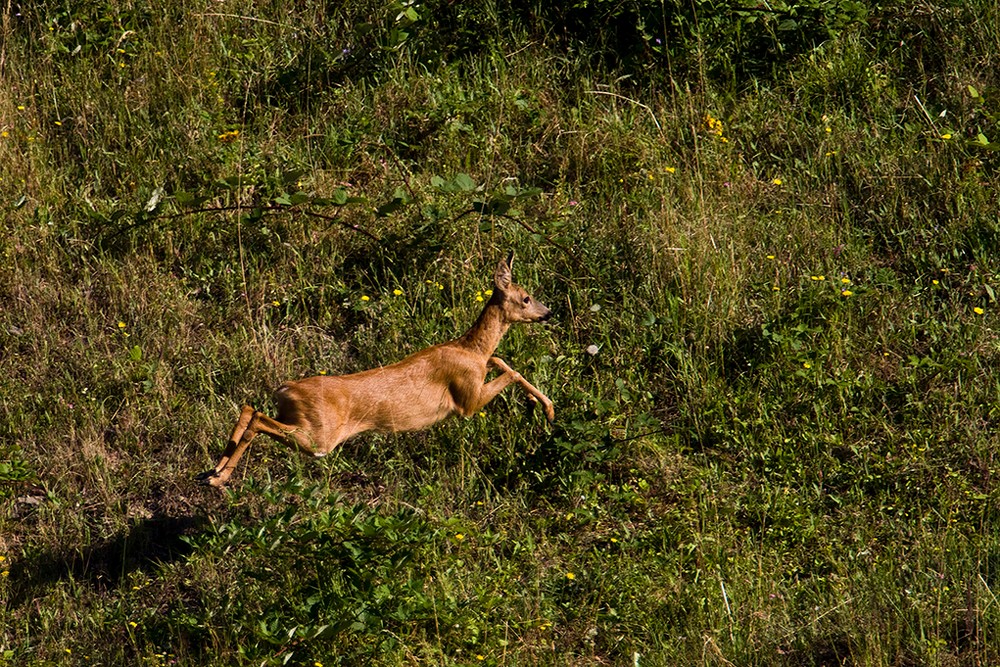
[107, 564]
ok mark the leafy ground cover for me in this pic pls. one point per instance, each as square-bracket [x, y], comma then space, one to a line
[770, 236]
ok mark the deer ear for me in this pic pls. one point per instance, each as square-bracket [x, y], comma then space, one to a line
[502, 278]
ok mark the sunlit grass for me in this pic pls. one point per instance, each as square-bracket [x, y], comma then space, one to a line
[773, 357]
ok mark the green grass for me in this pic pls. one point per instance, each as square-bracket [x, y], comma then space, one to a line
[783, 453]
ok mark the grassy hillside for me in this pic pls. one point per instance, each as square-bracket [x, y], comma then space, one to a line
[778, 227]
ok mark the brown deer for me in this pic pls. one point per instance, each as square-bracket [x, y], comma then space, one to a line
[318, 413]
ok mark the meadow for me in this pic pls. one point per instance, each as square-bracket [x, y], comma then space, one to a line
[770, 234]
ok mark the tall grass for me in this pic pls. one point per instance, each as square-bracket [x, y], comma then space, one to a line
[782, 452]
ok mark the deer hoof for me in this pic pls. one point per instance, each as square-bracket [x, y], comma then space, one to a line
[210, 478]
[550, 412]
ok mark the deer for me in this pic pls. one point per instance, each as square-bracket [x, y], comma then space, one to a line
[315, 414]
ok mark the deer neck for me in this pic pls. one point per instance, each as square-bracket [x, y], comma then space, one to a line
[484, 336]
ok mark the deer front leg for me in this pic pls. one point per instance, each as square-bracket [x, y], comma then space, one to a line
[508, 372]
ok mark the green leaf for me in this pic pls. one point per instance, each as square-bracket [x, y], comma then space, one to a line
[189, 199]
[973, 91]
[496, 206]
[390, 206]
[464, 182]
[528, 192]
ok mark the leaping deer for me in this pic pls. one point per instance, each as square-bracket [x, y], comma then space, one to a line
[318, 413]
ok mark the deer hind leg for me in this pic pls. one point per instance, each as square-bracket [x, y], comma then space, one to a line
[533, 392]
[250, 423]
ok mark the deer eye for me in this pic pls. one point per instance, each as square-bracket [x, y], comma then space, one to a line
[527, 299]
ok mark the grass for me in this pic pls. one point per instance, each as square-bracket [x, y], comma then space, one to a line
[782, 453]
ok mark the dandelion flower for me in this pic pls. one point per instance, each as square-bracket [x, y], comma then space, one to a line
[807, 365]
[770, 256]
[365, 297]
[459, 536]
[133, 624]
[846, 281]
[946, 136]
[978, 311]
[275, 303]
[934, 282]
[397, 292]
[777, 181]
[570, 576]
[847, 292]
[670, 170]
[121, 325]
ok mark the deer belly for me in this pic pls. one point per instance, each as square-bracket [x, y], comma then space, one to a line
[413, 411]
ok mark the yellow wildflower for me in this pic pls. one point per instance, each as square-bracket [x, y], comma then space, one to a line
[570, 576]
[977, 310]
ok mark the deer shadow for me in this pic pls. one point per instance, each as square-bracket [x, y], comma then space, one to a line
[107, 564]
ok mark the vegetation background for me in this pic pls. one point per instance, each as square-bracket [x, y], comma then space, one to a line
[776, 223]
